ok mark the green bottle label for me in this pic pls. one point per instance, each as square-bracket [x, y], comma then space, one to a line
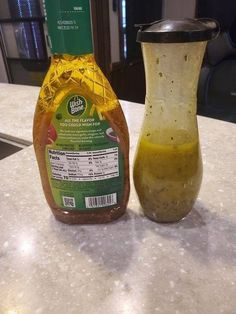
[84, 161]
[69, 26]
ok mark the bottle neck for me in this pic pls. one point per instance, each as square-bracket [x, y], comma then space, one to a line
[69, 26]
[172, 71]
[86, 59]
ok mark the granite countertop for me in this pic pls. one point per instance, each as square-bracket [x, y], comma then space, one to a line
[131, 266]
[17, 107]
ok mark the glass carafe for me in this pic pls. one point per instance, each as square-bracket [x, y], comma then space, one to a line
[168, 164]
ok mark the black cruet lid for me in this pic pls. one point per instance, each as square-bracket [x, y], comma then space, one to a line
[178, 31]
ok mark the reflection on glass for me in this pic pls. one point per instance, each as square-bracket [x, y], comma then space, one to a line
[37, 34]
[28, 40]
[24, 40]
[8, 31]
[123, 18]
[24, 8]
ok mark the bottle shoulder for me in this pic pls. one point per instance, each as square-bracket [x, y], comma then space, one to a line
[82, 75]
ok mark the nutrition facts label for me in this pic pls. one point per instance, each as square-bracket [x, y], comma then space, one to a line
[84, 166]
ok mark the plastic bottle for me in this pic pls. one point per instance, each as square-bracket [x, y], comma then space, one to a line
[80, 134]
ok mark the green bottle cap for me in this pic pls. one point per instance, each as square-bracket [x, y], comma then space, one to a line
[69, 26]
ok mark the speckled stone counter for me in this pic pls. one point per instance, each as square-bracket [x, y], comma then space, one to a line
[17, 104]
[131, 266]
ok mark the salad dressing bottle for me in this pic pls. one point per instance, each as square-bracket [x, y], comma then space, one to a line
[80, 134]
[168, 163]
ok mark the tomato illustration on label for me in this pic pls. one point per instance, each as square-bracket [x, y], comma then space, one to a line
[52, 135]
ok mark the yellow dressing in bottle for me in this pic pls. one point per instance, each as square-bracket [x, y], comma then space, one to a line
[168, 175]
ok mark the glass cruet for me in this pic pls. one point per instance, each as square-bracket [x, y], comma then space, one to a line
[168, 165]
